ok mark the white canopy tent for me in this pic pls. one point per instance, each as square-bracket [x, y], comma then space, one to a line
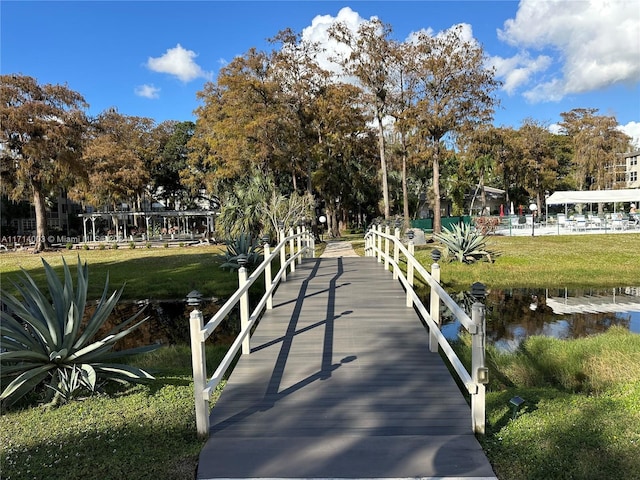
[594, 196]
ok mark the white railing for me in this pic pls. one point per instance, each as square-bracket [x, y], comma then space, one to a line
[298, 244]
[378, 243]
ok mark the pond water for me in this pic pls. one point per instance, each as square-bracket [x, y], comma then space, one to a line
[516, 314]
[512, 316]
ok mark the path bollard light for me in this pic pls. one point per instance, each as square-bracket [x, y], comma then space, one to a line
[410, 234]
[242, 260]
[516, 402]
[436, 255]
[478, 291]
[194, 298]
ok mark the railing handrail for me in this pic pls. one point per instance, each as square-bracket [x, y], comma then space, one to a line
[473, 381]
[200, 331]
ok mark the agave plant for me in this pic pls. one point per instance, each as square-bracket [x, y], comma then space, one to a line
[242, 245]
[46, 339]
[464, 244]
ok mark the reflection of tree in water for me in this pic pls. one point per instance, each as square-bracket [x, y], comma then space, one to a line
[168, 322]
[515, 314]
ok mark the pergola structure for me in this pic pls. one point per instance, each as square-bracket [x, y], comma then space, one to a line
[173, 222]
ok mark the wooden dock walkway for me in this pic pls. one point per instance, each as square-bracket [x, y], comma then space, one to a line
[341, 384]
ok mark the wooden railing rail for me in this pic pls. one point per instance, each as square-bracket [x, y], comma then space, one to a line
[473, 381]
[299, 244]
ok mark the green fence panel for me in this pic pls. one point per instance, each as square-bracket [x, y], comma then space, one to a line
[426, 224]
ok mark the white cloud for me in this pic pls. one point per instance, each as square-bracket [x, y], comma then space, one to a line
[596, 40]
[318, 32]
[633, 130]
[180, 62]
[518, 70]
[147, 91]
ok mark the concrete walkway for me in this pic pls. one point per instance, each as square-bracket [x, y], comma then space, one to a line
[337, 249]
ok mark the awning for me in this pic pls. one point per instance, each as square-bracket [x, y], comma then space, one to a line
[594, 196]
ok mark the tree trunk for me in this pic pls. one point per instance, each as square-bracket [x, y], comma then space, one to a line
[437, 223]
[42, 242]
[405, 189]
[383, 167]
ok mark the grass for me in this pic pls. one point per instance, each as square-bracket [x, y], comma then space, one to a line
[581, 412]
[582, 397]
[548, 262]
[157, 273]
[142, 432]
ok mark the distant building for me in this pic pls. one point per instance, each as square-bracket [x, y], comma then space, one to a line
[632, 169]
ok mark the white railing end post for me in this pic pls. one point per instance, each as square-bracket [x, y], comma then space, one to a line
[199, 365]
[479, 371]
[267, 273]
[434, 305]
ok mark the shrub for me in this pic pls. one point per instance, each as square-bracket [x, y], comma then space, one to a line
[45, 341]
[114, 246]
[102, 246]
[464, 244]
[85, 247]
[69, 246]
[486, 225]
[242, 245]
[132, 245]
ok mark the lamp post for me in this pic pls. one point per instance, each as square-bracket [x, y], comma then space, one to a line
[323, 220]
[533, 207]
[546, 207]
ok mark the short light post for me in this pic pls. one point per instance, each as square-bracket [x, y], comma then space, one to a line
[534, 208]
[323, 221]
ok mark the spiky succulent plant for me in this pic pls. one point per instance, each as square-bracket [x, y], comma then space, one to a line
[48, 340]
[464, 244]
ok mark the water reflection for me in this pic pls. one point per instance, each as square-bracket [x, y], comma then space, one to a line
[168, 322]
[515, 314]
[512, 316]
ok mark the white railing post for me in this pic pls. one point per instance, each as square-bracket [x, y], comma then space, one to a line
[479, 371]
[199, 364]
[267, 273]
[434, 305]
[292, 249]
[312, 241]
[299, 242]
[244, 304]
[411, 248]
[379, 243]
[283, 252]
[387, 230]
[396, 253]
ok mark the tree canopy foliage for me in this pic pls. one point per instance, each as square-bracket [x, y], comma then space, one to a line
[392, 125]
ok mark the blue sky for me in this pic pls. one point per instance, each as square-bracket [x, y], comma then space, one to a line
[150, 58]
